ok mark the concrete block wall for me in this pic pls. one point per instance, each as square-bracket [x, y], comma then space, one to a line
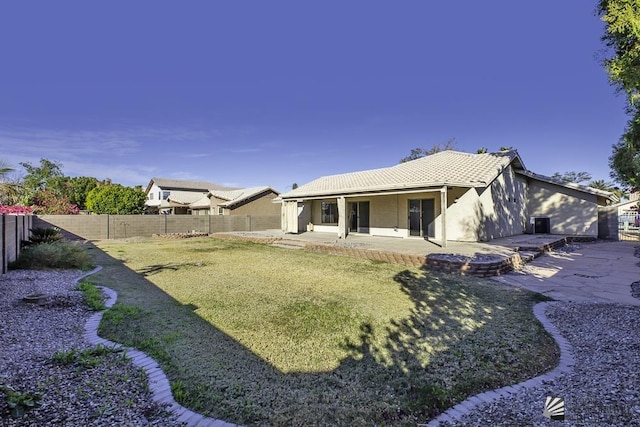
[13, 230]
[97, 227]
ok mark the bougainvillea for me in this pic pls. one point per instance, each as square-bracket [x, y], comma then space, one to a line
[15, 210]
[48, 203]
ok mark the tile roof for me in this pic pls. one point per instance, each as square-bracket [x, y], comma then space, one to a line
[452, 168]
[238, 196]
[232, 197]
[595, 191]
[184, 199]
[182, 184]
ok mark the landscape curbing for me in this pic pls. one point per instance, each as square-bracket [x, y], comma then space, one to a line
[160, 388]
[566, 364]
[159, 385]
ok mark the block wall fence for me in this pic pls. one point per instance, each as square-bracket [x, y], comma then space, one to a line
[97, 227]
[13, 230]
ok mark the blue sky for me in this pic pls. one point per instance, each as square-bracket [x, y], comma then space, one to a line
[251, 93]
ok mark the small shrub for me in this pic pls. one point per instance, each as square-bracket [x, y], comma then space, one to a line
[65, 357]
[19, 402]
[92, 296]
[58, 254]
[88, 358]
[45, 235]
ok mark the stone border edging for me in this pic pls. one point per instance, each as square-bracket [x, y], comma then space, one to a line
[158, 382]
[567, 360]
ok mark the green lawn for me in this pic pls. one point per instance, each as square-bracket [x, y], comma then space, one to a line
[253, 334]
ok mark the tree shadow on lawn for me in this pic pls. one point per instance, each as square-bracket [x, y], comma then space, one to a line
[462, 337]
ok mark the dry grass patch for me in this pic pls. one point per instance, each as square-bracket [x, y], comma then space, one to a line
[259, 335]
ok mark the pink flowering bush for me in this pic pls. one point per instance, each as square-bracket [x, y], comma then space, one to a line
[15, 210]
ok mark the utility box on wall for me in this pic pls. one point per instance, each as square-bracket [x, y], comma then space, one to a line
[540, 225]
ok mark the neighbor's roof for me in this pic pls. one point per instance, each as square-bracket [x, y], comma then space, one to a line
[238, 196]
[452, 168]
[180, 184]
[231, 197]
[184, 199]
[597, 192]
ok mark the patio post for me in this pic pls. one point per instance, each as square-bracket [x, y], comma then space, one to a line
[342, 218]
[443, 210]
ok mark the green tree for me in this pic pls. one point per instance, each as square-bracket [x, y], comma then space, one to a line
[572, 176]
[417, 153]
[625, 160]
[116, 199]
[39, 178]
[79, 187]
[622, 39]
[482, 150]
[9, 187]
[601, 184]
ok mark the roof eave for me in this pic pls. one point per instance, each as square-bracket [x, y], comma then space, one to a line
[382, 190]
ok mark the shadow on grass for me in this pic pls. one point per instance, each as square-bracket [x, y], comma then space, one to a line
[461, 337]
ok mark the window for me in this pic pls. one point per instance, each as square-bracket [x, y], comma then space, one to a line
[150, 196]
[220, 211]
[329, 212]
[165, 195]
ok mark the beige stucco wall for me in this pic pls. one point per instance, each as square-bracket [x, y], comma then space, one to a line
[499, 210]
[388, 214]
[261, 206]
[569, 211]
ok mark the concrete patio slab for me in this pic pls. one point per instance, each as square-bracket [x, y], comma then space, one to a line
[593, 272]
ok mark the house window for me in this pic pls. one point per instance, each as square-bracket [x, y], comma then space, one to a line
[165, 195]
[150, 196]
[220, 211]
[329, 212]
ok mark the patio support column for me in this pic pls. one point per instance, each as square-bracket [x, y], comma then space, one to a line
[342, 218]
[443, 211]
[290, 212]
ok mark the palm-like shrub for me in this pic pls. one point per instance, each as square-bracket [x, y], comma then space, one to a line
[44, 235]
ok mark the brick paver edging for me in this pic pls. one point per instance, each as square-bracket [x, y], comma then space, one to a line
[158, 382]
[566, 364]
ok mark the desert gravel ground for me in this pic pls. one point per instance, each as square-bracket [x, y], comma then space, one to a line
[105, 390]
[604, 387]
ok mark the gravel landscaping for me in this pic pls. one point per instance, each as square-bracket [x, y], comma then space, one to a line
[602, 389]
[44, 354]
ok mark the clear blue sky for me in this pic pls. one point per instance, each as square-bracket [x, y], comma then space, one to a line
[273, 92]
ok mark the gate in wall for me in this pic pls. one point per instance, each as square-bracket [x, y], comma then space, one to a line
[629, 226]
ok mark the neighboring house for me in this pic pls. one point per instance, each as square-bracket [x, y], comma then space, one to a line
[243, 201]
[181, 197]
[486, 196]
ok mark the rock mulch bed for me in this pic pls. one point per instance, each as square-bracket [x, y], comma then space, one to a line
[74, 390]
[602, 389]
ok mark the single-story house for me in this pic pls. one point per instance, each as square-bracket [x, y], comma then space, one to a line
[445, 196]
[183, 197]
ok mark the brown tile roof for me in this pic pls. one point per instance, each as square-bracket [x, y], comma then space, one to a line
[451, 168]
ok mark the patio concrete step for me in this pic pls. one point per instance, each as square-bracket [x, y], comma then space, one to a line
[289, 244]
